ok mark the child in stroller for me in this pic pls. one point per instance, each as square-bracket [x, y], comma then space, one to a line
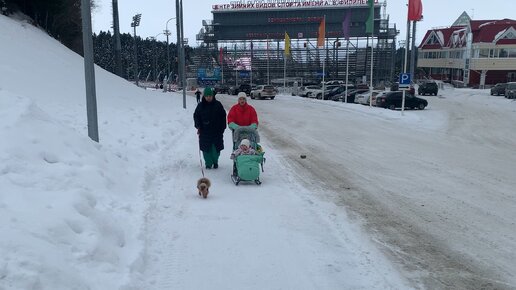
[246, 167]
[244, 149]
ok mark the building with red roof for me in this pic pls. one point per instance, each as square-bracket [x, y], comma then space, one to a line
[470, 52]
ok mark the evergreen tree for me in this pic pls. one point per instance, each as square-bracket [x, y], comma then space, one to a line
[60, 18]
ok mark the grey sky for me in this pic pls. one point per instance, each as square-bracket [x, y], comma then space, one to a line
[155, 13]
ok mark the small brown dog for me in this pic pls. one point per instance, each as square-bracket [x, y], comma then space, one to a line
[203, 185]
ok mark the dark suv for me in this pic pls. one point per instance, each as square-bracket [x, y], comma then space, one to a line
[428, 88]
[393, 100]
[221, 88]
[498, 89]
[246, 88]
[510, 91]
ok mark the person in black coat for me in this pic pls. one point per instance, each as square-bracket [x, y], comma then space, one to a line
[198, 96]
[210, 121]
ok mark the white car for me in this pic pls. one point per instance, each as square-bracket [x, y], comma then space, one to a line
[261, 92]
[363, 98]
[313, 92]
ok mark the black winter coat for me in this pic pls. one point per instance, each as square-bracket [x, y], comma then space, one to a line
[210, 120]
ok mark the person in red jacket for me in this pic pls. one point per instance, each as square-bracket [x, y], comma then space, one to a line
[242, 114]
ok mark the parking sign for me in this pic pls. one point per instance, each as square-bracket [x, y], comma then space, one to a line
[405, 81]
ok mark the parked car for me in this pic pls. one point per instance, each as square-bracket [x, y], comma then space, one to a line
[363, 98]
[393, 100]
[375, 98]
[428, 88]
[261, 92]
[336, 91]
[313, 92]
[246, 88]
[221, 89]
[301, 92]
[510, 90]
[334, 82]
[327, 91]
[351, 95]
[498, 89]
[233, 90]
[362, 86]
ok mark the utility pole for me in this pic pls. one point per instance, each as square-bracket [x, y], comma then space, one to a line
[413, 51]
[178, 43]
[183, 58]
[89, 71]
[118, 47]
[154, 39]
[167, 33]
[134, 24]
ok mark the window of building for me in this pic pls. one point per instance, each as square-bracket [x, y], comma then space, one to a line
[484, 53]
[503, 53]
[511, 77]
[510, 35]
[511, 52]
[433, 39]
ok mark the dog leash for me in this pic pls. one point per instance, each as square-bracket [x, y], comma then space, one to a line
[200, 160]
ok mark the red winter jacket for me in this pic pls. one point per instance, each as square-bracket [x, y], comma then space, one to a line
[242, 115]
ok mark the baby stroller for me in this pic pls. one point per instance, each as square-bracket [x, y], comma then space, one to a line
[247, 167]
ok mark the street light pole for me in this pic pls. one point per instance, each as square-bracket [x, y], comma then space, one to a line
[336, 45]
[134, 24]
[178, 44]
[167, 33]
[118, 46]
[89, 71]
[154, 39]
[183, 57]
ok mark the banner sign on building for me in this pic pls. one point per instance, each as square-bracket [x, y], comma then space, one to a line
[204, 74]
[286, 4]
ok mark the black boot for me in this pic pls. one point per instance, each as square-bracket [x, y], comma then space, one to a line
[216, 165]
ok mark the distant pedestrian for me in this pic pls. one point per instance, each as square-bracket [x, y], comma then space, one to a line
[198, 96]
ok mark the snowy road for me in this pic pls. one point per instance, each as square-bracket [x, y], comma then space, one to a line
[436, 188]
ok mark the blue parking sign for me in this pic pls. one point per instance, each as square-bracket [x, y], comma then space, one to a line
[405, 81]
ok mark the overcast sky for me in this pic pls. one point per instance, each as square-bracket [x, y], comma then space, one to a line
[155, 13]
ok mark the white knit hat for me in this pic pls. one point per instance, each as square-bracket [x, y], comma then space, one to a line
[245, 142]
[241, 95]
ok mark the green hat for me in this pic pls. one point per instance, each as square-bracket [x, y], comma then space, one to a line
[208, 91]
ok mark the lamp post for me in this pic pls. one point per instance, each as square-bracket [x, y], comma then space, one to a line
[117, 44]
[134, 24]
[336, 45]
[89, 72]
[183, 58]
[154, 38]
[167, 33]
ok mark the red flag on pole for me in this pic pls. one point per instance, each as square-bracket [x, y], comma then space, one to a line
[322, 33]
[415, 10]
